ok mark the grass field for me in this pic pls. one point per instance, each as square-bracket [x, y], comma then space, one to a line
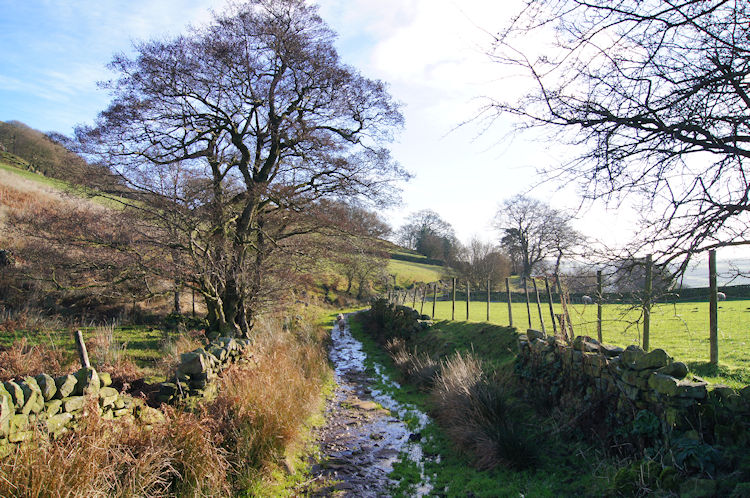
[408, 272]
[681, 329]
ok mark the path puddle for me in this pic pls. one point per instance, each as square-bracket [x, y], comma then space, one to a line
[362, 438]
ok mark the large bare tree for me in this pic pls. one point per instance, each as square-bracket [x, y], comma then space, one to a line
[655, 96]
[532, 231]
[232, 134]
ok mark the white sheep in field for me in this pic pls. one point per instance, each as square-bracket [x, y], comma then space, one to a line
[587, 300]
[720, 296]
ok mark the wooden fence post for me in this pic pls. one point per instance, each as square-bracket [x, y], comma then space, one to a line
[539, 305]
[564, 305]
[424, 294]
[434, 298]
[453, 300]
[647, 302]
[599, 305]
[528, 304]
[713, 309]
[414, 298]
[468, 299]
[83, 355]
[510, 301]
[488, 299]
[551, 307]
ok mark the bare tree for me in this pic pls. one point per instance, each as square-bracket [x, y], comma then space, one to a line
[656, 95]
[532, 231]
[232, 135]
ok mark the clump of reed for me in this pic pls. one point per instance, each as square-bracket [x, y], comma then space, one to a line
[480, 415]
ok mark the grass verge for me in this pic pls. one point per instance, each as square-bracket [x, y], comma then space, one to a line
[564, 468]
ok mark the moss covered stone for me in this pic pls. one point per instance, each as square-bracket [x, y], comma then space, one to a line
[46, 385]
[87, 382]
[65, 384]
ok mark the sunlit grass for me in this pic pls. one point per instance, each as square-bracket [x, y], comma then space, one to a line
[681, 329]
[408, 272]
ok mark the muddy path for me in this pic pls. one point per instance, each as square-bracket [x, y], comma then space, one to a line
[365, 432]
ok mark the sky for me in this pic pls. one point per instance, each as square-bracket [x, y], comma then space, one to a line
[433, 54]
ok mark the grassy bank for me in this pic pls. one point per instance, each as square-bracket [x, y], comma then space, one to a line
[564, 468]
[252, 440]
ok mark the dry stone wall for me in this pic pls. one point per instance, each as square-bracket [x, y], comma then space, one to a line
[54, 406]
[199, 368]
[629, 381]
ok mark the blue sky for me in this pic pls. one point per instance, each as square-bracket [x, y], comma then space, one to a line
[431, 52]
[53, 53]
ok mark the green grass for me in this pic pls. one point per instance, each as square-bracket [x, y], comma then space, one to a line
[408, 272]
[681, 329]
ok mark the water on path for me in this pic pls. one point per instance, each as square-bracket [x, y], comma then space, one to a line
[365, 432]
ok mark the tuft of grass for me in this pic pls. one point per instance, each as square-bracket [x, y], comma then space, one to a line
[479, 415]
[418, 368]
[102, 346]
[110, 355]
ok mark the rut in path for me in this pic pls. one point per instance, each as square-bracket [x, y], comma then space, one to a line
[362, 438]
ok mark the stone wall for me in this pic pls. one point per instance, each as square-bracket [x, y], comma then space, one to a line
[54, 406]
[627, 382]
[198, 368]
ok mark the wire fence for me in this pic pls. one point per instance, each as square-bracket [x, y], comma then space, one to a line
[601, 305]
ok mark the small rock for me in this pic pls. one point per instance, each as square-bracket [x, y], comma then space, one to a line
[630, 355]
[535, 334]
[65, 384]
[46, 385]
[663, 384]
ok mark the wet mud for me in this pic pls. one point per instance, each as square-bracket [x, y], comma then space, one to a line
[365, 433]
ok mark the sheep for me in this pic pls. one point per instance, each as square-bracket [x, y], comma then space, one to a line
[341, 321]
[720, 296]
[587, 300]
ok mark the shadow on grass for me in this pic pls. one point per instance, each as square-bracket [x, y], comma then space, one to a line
[721, 372]
[495, 345]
